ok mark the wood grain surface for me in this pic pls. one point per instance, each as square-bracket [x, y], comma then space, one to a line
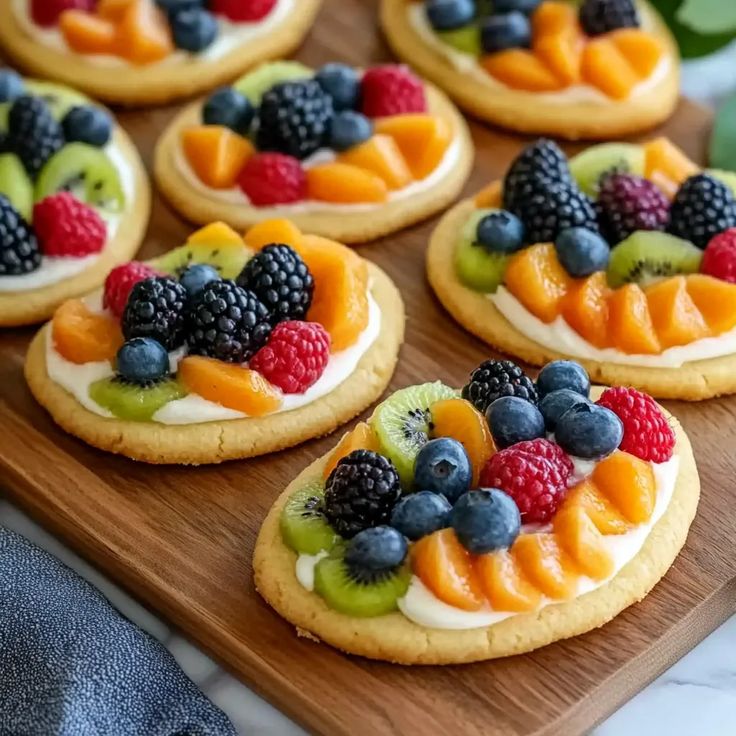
[181, 539]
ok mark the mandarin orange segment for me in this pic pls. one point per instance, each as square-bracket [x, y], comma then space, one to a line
[628, 483]
[676, 318]
[521, 69]
[421, 138]
[546, 564]
[562, 52]
[143, 34]
[642, 50]
[344, 184]
[585, 308]
[216, 232]
[605, 67]
[446, 568]
[490, 197]
[667, 165]
[381, 155]
[551, 17]
[112, 10]
[715, 299]
[361, 437]
[81, 336]
[580, 538]
[630, 323]
[230, 385]
[606, 517]
[504, 584]
[459, 419]
[86, 33]
[216, 154]
[275, 230]
[536, 278]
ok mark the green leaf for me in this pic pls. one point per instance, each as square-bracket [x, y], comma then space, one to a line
[708, 17]
[722, 149]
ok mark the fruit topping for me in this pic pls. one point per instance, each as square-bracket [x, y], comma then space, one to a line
[133, 402]
[243, 11]
[193, 29]
[642, 50]
[554, 404]
[581, 252]
[33, 133]
[376, 550]
[719, 258]
[505, 584]
[716, 301]
[391, 89]
[232, 386]
[605, 66]
[381, 156]
[479, 266]
[46, 13]
[601, 16]
[563, 374]
[256, 83]
[216, 154]
[606, 517]
[585, 308]
[500, 231]
[12, 85]
[67, 227]
[558, 40]
[226, 322]
[442, 466]
[589, 431]
[155, 308]
[197, 276]
[514, 420]
[590, 166]
[19, 252]
[420, 514]
[503, 31]
[303, 524]
[342, 83]
[229, 108]
[87, 124]
[142, 360]
[486, 520]
[630, 322]
[273, 178]
[15, 184]
[580, 538]
[143, 34]
[344, 184]
[647, 433]
[361, 492]
[361, 437]
[676, 318]
[628, 483]
[546, 564]
[295, 356]
[446, 15]
[541, 158]
[666, 165]
[86, 33]
[349, 129]
[495, 378]
[521, 69]
[82, 336]
[276, 230]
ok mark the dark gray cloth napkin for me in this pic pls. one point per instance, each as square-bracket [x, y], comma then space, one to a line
[71, 665]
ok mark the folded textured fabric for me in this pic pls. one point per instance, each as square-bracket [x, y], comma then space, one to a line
[71, 665]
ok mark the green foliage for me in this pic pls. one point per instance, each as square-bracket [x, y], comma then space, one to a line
[722, 149]
[700, 26]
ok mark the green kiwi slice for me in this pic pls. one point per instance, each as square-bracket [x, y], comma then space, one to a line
[86, 172]
[476, 267]
[359, 594]
[465, 39]
[136, 403]
[16, 185]
[588, 167]
[304, 527]
[402, 424]
[228, 259]
[647, 256]
[255, 84]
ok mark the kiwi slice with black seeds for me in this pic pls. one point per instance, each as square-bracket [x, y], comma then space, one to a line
[476, 267]
[256, 83]
[590, 166]
[134, 402]
[16, 185]
[304, 526]
[228, 258]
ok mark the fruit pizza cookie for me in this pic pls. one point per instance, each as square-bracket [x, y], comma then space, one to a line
[222, 348]
[623, 258]
[135, 52]
[457, 526]
[74, 197]
[590, 69]
[349, 154]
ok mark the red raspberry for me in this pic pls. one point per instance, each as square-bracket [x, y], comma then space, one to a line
[646, 431]
[295, 356]
[67, 227]
[119, 283]
[391, 89]
[534, 473]
[47, 12]
[273, 178]
[719, 258]
[242, 11]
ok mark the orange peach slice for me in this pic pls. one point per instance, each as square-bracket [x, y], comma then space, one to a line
[82, 336]
[628, 483]
[380, 155]
[504, 584]
[676, 318]
[546, 564]
[630, 323]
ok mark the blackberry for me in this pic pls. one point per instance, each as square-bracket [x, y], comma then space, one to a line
[493, 379]
[227, 322]
[278, 276]
[548, 207]
[361, 492]
[155, 308]
[703, 208]
[602, 16]
[627, 203]
[33, 133]
[294, 118]
[19, 252]
[541, 158]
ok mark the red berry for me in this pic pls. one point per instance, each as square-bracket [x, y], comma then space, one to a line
[719, 258]
[119, 283]
[67, 227]
[535, 474]
[295, 356]
[273, 178]
[47, 12]
[242, 10]
[646, 431]
[391, 89]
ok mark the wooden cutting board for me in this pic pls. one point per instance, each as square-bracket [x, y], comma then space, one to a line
[181, 539]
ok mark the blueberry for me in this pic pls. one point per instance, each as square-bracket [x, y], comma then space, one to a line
[563, 374]
[342, 83]
[193, 29]
[376, 549]
[226, 106]
[506, 31]
[486, 520]
[349, 128]
[443, 466]
[87, 124]
[523, 6]
[420, 514]
[174, 6]
[11, 85]
[556, 403]
[589, 431]
[445, 15]
[582, 252]
[500, 232]
[142, 359]
[513, 420]
[197, 276]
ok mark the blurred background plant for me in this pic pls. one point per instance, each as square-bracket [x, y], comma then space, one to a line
[700, 26]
